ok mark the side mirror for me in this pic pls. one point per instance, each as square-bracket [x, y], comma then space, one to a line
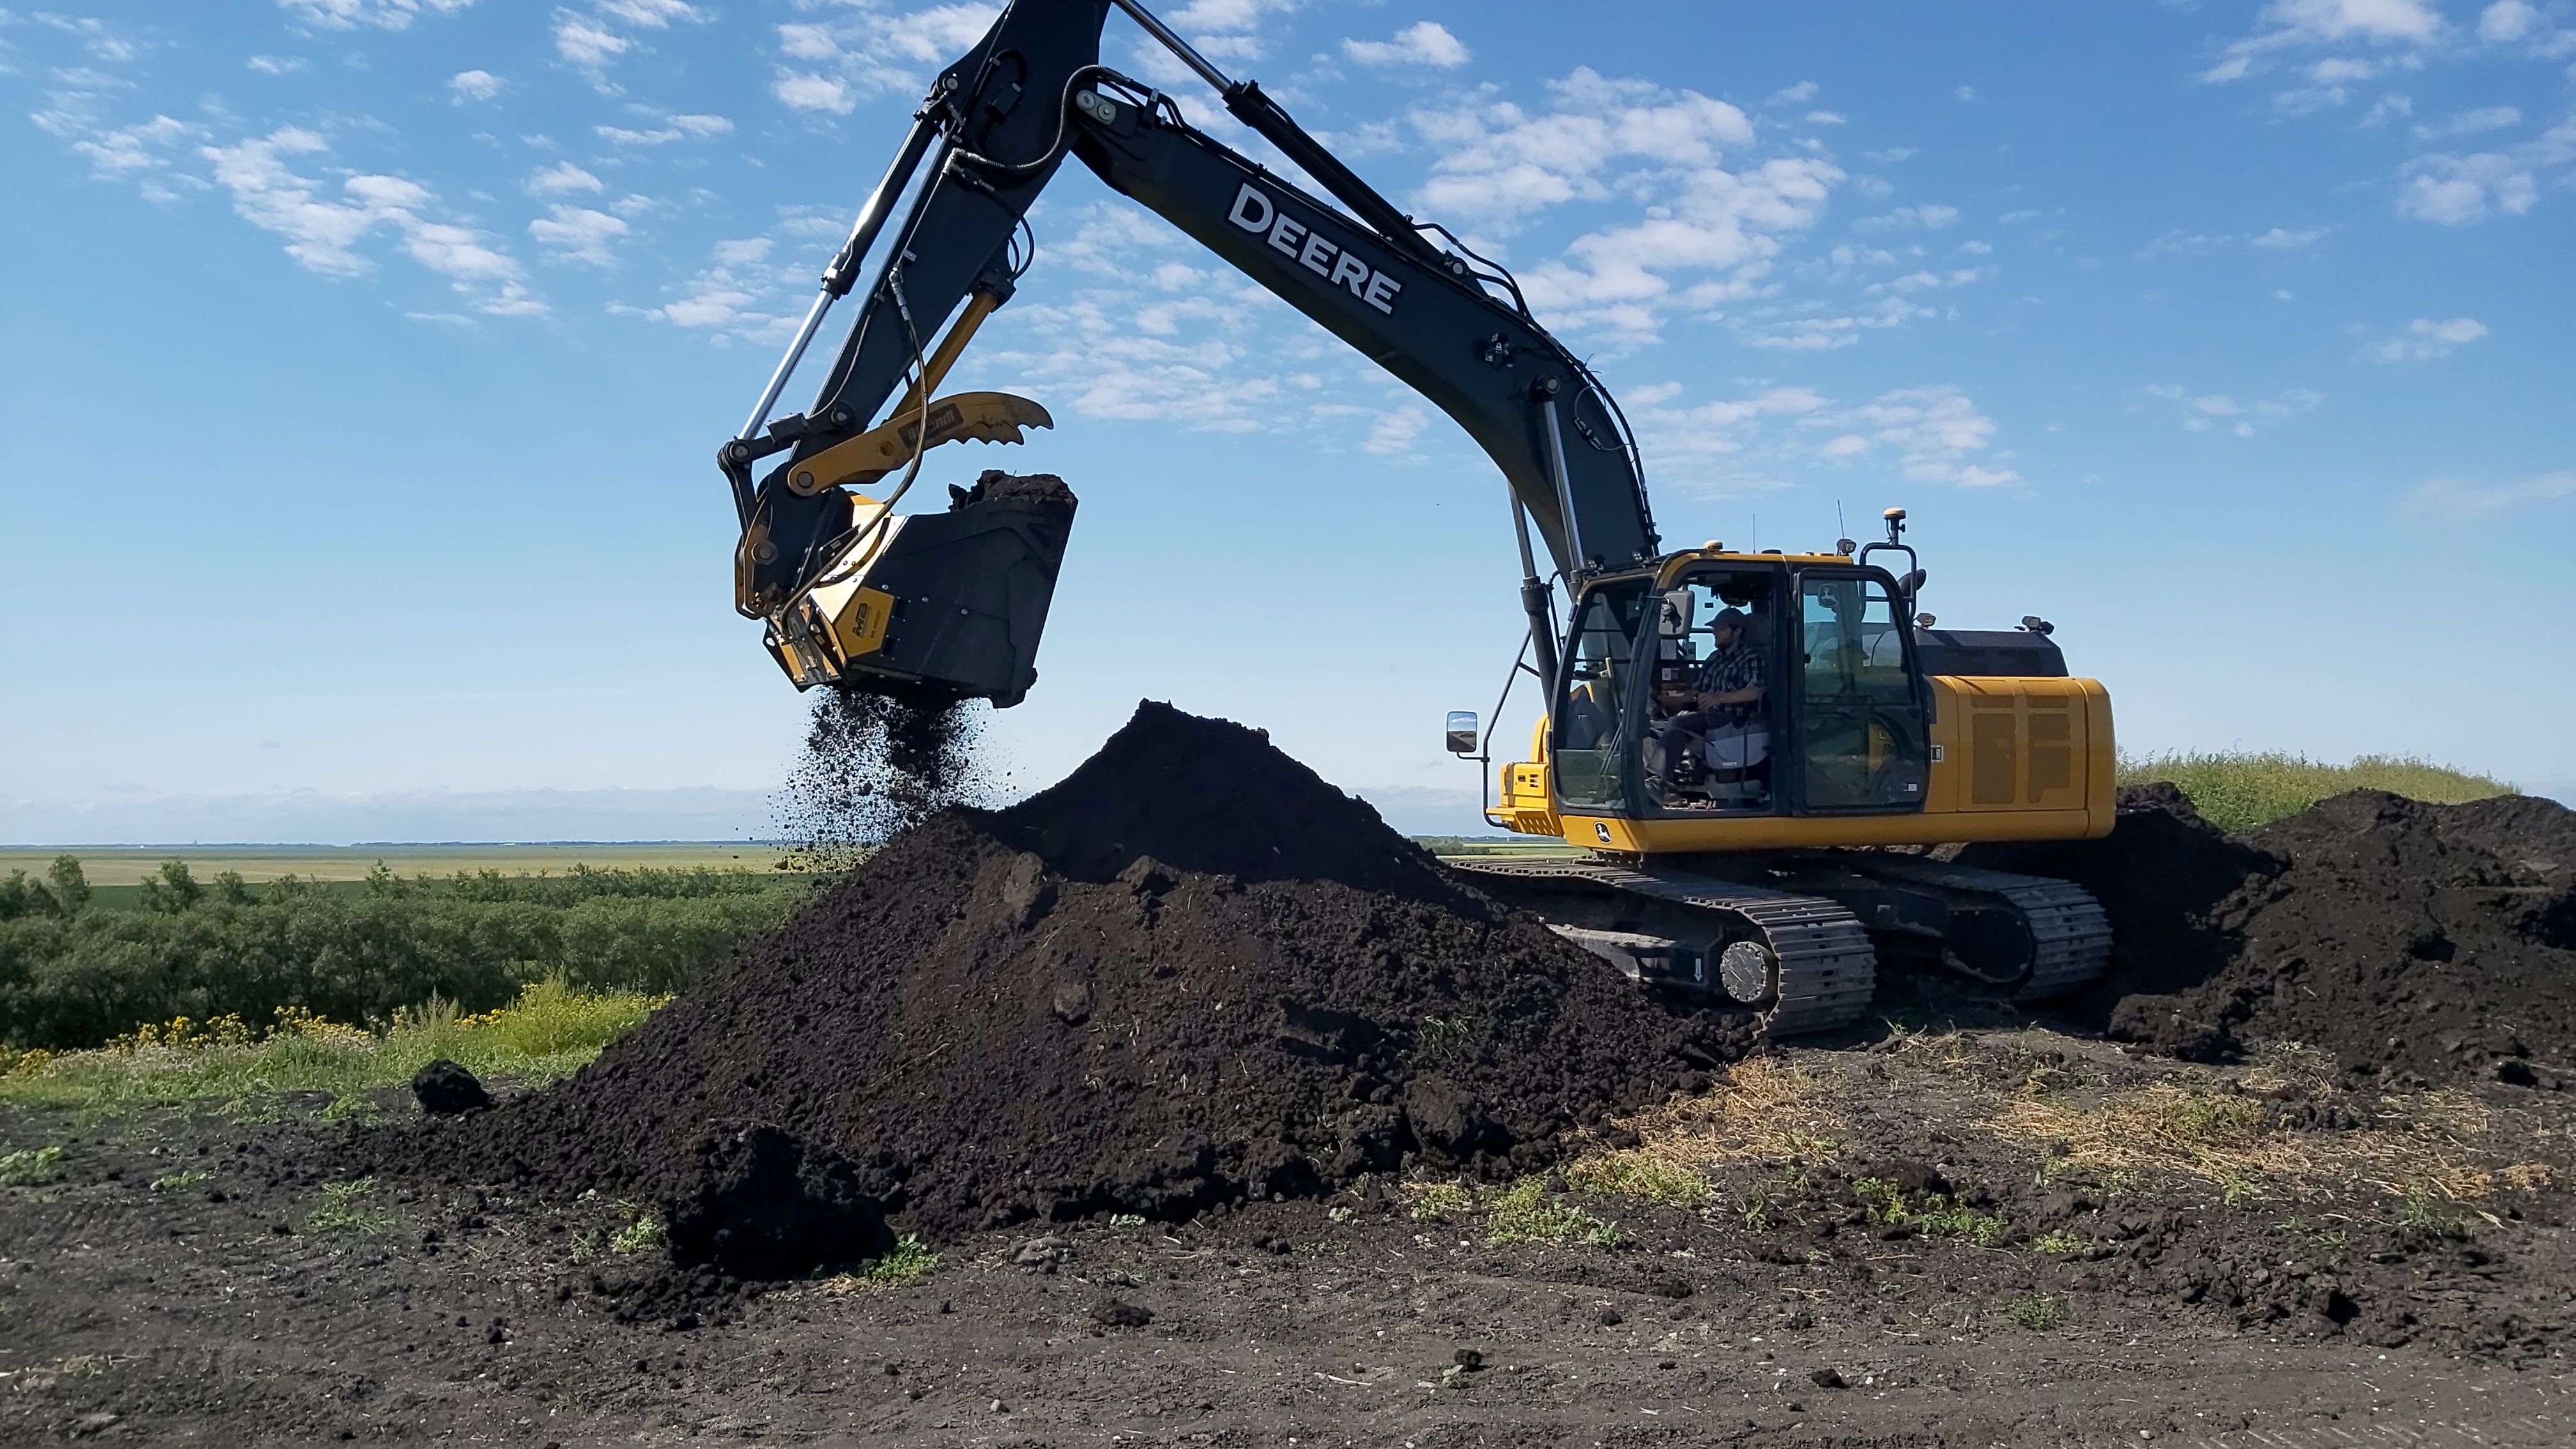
[1913, 582]
[1462, 732]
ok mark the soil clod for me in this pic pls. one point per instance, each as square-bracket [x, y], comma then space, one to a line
[445, 1089]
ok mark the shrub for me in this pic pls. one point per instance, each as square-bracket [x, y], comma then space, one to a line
[72, 977]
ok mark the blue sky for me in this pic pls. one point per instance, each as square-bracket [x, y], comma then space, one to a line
[362, 361]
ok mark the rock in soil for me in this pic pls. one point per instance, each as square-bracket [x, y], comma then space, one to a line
[1191, 974]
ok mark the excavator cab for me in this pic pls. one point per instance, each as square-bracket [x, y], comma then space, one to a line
[1837, 718]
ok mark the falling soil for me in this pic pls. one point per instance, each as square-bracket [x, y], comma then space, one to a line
[2402, 937]
[875, 761]
[1191, 974]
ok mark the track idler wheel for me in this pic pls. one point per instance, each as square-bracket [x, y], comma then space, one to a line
[1749, 972]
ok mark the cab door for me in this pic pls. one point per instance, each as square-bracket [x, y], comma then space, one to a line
[1860, 715]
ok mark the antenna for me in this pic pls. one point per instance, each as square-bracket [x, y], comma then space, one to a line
[1757, 531]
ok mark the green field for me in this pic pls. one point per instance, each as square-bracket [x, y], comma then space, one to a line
[2239, 790]
[126, 865]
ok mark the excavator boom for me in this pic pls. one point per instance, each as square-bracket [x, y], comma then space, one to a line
[992, 133]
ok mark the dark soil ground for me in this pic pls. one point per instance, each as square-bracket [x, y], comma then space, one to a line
[1235, 1120]
[2411, 941]
[266, 1302]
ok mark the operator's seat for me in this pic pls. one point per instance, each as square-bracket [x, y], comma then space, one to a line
[1590, 717]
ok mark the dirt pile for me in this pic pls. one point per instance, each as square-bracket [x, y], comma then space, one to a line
[1191, 973]
[2162, 875]
[2436, 940]
[2433, 939]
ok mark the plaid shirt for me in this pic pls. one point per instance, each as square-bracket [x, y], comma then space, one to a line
[1731, 669]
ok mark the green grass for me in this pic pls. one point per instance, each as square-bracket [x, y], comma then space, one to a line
[549, 1032]
[33, 1167]
[177, 1181]
[2039, 1315]
[1933, 1215]
[1527, 1214]
[122, 867]
[1438, 1202]
[2239, 790]
[346, 1208]
[910, 1260]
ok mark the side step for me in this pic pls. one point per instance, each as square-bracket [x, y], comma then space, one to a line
[1803, 961]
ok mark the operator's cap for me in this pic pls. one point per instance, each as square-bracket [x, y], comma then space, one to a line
[1730, 619]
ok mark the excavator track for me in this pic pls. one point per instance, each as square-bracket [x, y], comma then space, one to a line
[2028, 937]
[1803, 962]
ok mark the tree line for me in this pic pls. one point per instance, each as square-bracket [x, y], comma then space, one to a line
[74, 974]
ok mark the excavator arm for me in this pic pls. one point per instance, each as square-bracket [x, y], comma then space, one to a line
[996, 126]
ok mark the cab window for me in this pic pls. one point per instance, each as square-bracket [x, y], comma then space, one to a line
[1716, 693]
[1593, 733]
[1861, 729]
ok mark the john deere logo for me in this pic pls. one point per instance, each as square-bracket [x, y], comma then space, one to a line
[1601, 830]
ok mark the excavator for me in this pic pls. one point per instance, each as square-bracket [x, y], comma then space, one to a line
[1749, 749]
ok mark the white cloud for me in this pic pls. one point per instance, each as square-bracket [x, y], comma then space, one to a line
[2506, 21]
[2425, 338]
[1228, 16]
[578, 234]
[1796, 95]
[673, 128]
[1929, 218]
[278, 64]
[1706, 231]
[1393, 434]
[1936, 433]
[2206, 412]
[2456, 190]
[95, 35]
[322, 232]
[2470, 123]
[1707, 429]
[739, 296]
[2453, 497]
[651, 14]
[145, 146]
[2288, 24]
[474, 85]
[1425, 42]
[562, 179]
[864, 49]
[2282, 238]
[586, 42]
[1965, 93]
[804, 92]
[1826, 118]
[375, 14]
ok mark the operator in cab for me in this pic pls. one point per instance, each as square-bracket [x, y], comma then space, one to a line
[1721, 721]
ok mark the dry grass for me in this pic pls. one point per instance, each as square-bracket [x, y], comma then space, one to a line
[2440, 1141]
[1764, 1111]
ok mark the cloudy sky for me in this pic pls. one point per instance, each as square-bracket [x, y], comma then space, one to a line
[362, 361]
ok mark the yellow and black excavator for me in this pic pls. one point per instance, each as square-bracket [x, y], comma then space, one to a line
[1732, 737]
